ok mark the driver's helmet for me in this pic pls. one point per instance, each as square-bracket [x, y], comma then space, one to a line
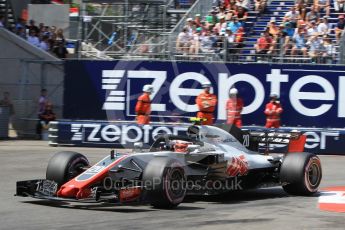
[181, 146]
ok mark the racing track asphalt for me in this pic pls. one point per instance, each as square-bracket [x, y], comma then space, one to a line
[259, 209]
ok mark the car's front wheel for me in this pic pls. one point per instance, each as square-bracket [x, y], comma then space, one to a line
[64, 166]
[164, 182]
[301, 173]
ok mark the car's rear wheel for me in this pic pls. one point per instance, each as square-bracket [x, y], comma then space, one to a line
[301, 173]
[64, 166]
[164, 182]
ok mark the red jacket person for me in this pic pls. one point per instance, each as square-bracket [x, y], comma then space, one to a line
[206, 102]
[234, 107]
[273, 111]
[143, 106]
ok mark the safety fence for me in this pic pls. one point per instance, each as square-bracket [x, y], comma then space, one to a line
[121, 134]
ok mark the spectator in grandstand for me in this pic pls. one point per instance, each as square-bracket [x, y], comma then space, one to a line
[312, 15]
[244, 3]
[33, 39]
[20, 24]
[312, 29]
[287, 34]
[300, 45]
[220, 25]
[197, 21]
[44, 44]
[2, 21]
[232, 6]
[206, 43]
[143, 106]
[234, 107]
[292, 16]
[273, 29]
[32, 27]
[328, 50]
[195, 42]
[315, 47]
[206, 102]
[339, 5]
[183, 41]
[221, 12]
[260, 5]
[264, 44]
[324, 27]
[234, 24]
[60, 50]
[211, 18]
[239, 37]
[322, 5]
[339, 28]
[273, 111]
[241, 15]
[230, 43]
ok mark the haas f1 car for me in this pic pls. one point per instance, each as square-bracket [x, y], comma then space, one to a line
[207, 160]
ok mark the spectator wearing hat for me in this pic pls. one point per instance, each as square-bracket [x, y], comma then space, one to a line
[190, 26]
[339, 28]
[324, 27]
[300, 45]
[322, 5]
[230, 42]
[339, 6]
[221, 24]
[197, 21]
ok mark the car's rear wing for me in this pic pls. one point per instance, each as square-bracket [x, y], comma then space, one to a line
[294, 140]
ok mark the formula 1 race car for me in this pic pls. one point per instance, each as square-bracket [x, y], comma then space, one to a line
[207, 160]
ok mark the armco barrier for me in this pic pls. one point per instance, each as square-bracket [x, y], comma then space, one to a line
[124, 135]
[311, 95]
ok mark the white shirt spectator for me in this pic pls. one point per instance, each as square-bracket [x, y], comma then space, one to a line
[323, 28]
[33, 40]
[183, 37]
[311, 31]
[293, 16]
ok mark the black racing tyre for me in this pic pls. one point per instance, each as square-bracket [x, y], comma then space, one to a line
[301, 173]
[64, 166]
[164, 182]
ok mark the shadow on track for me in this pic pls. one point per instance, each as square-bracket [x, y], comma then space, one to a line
[227, 198]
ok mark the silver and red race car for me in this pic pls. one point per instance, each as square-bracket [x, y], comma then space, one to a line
[207, 160]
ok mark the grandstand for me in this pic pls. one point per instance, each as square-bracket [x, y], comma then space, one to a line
[148, 29]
